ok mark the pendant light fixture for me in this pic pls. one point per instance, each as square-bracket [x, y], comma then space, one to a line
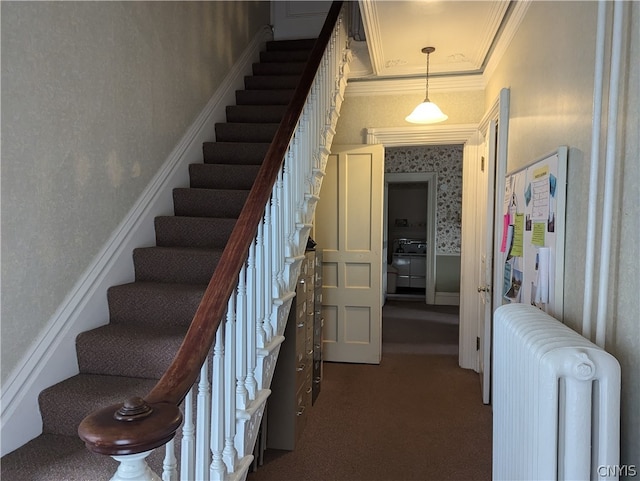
[427, 112]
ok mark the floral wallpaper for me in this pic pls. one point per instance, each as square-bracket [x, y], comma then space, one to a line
[446, 161]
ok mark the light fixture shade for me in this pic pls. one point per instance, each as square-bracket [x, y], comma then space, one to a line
[426, 113]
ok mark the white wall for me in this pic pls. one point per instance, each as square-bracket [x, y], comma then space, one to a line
[549, 68]
[95, 95]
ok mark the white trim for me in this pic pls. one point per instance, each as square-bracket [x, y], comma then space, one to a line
[52, 357]
[422, 135]
[400, 86]
[511, 27]
[447, 299]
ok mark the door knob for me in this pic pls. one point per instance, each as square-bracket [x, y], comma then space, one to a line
[484, 289]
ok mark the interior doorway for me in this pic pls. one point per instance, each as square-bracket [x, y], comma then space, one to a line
[409, 236]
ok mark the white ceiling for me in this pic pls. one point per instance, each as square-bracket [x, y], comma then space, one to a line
[469, 36]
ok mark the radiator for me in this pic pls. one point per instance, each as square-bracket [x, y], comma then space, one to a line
[556, 400]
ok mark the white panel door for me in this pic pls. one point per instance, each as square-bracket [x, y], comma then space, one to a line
[348, 229]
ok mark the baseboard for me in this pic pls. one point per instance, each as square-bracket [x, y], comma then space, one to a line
[447, 298]
[52, 357]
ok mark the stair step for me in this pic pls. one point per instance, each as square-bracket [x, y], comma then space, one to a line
[154, 304]
[288, 45]
[256, 113]
[284, 56]
[208, 202]
[280, 96]
[271, 82]
[249, 132]
[126, 350]
[234, 152]
[278, 68]
[184, 265]
[214, 176]
[176, 231]
[64, 405]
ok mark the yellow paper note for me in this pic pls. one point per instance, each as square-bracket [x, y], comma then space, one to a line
[518, 233]
[537, 236]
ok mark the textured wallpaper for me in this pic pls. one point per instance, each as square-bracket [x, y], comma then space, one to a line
[446, 161]
[95, 96]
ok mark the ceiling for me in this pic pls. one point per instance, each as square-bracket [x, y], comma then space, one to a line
[468, 36]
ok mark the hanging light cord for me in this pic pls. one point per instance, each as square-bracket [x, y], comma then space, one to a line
[427, 92]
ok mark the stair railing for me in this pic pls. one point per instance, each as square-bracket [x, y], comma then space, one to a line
[218, 383]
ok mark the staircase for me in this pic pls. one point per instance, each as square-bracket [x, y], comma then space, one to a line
[148, 318]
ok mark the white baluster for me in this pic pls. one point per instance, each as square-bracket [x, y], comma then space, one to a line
[267, 273]
[261, 255]
[217, 470]
[229, 454]
[203, 423]
[279, 235]
[242, 395]
[170, 463]
[187, 448]
[133, 467]
[250, 381]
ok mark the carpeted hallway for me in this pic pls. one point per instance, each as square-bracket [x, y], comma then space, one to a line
[416, 416]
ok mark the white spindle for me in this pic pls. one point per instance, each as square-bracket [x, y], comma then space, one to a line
[170, 463]
[250, 326]
[242, 395]
[229, 454]
[217, 468]
[261, 255]
[267, 273]
[203, 423]
[187, 447]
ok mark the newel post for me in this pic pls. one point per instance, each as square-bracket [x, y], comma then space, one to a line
[129, 432]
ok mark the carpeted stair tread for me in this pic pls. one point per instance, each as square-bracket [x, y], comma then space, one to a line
[278, 68]
[276, 96]
[208, 202]
[175, 231]
[154, 304]
[64, 405]
[220, 176]
[255, 113]
[54, 457]
[269, 82]
[184, 265]
[128, 350]
[246, 132]
[284, 55]
[288, 45]
[234, 152]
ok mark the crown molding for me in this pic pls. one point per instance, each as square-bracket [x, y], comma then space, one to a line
[511, 27]
[421, 135]
[397, 86]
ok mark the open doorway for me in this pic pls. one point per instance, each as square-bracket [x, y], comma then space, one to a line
[423, 207]
[410, 203]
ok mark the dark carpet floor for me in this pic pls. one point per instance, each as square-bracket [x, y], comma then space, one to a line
[416, 416]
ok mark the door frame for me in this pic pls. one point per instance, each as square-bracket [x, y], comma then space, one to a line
[428, 178]
[464, 134]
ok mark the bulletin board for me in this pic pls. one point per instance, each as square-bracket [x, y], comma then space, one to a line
[532, 237]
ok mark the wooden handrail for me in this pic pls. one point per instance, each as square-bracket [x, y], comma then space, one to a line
[139, 425]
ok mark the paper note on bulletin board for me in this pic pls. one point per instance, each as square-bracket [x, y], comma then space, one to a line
[532, 234]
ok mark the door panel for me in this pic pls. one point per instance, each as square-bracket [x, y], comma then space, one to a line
[348, 228]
